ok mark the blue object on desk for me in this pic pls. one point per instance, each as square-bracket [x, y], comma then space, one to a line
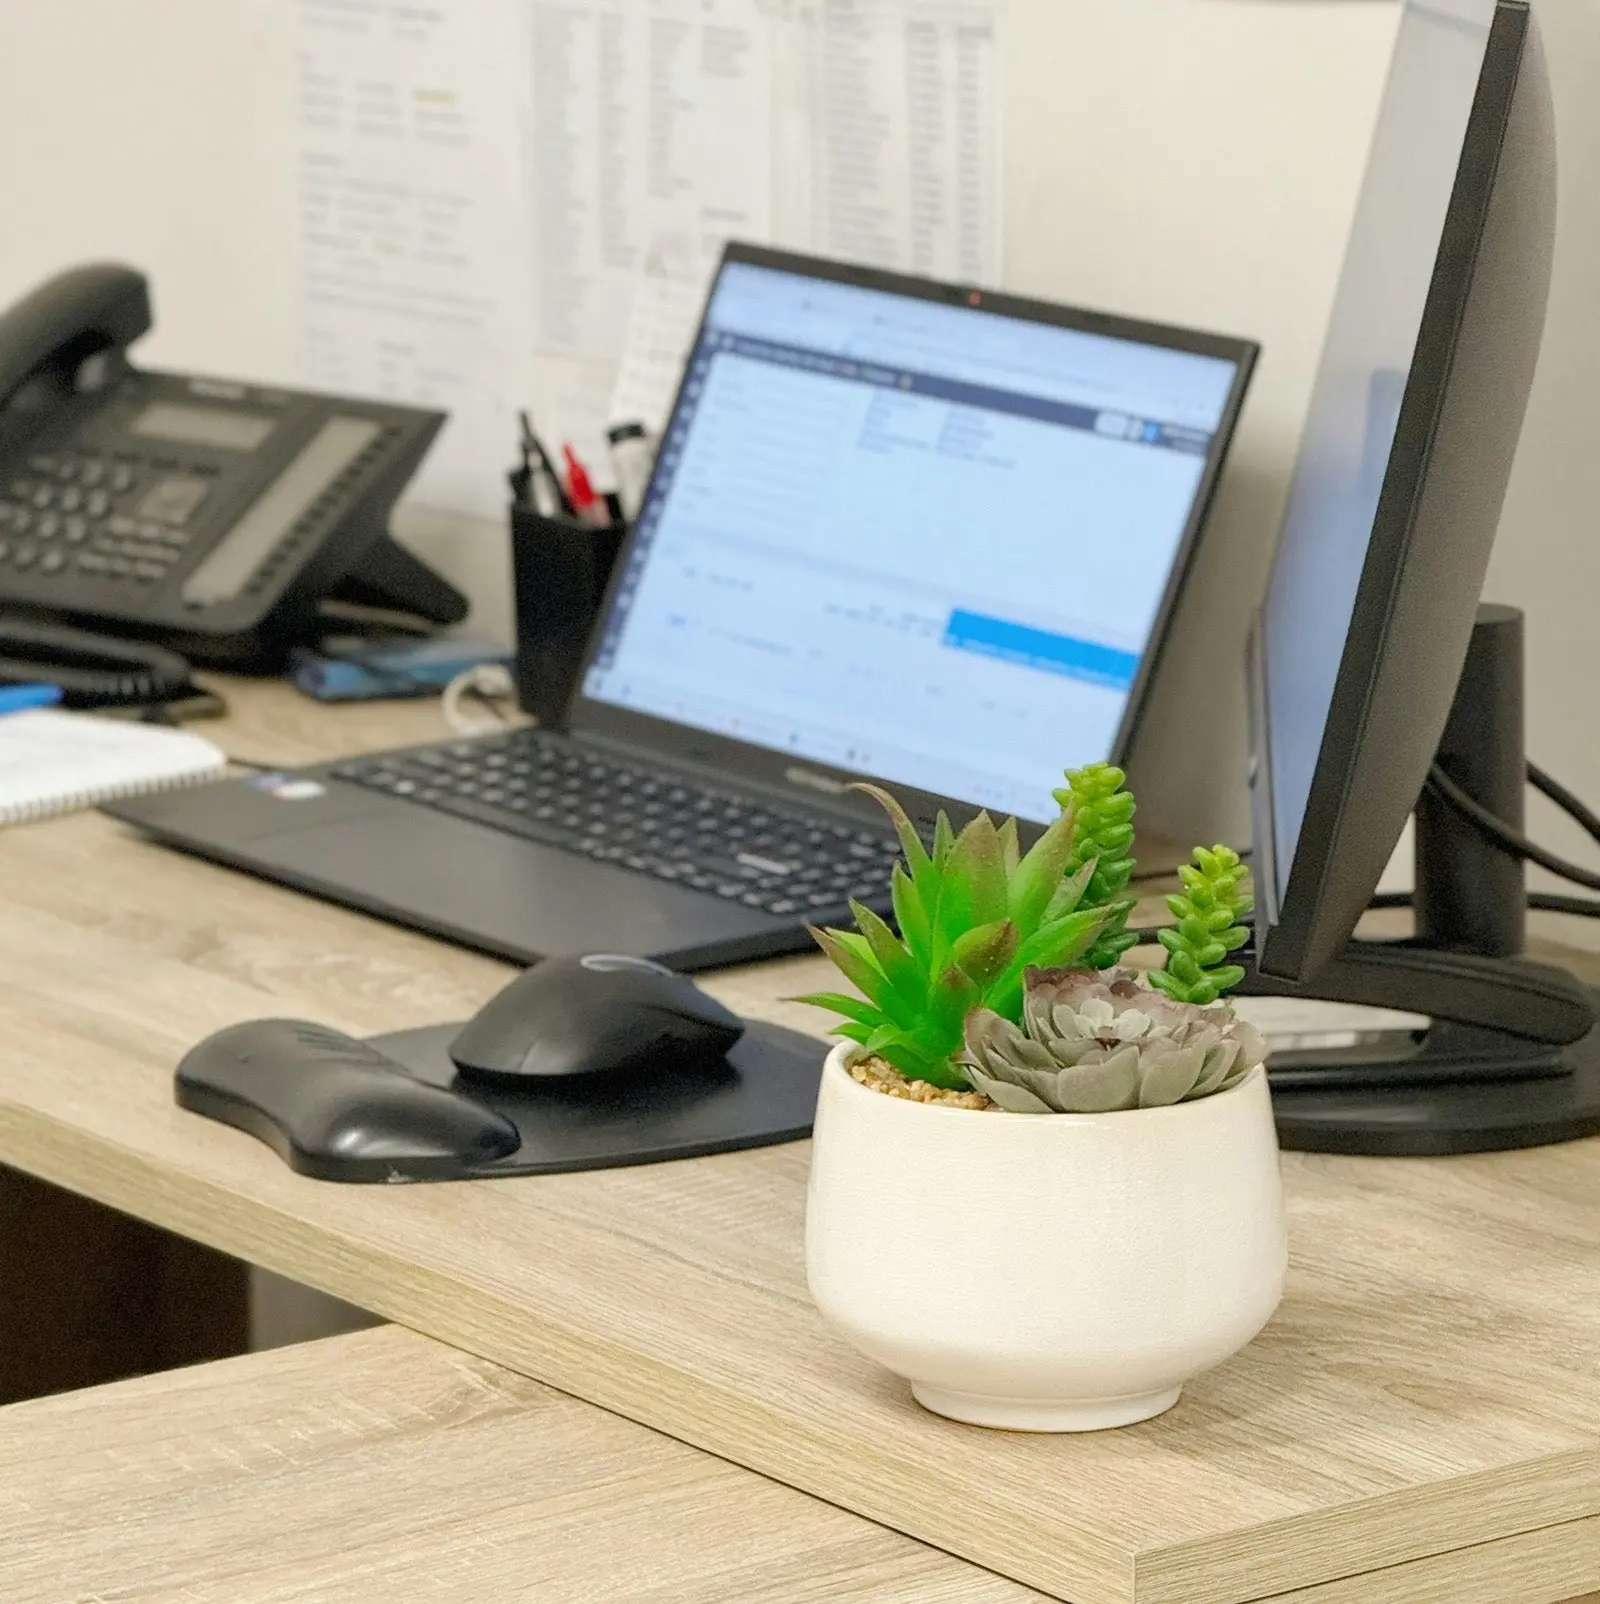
[348, 670]
[16, 698]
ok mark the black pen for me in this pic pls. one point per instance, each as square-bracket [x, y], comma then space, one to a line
[521, 477]
[543, 484]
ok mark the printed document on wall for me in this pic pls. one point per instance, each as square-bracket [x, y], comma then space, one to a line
[650, 146]
[889, 134]
[413, 223]
[885, 149]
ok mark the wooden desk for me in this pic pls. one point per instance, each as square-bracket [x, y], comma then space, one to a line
[1420, 1422]
[384, 1466]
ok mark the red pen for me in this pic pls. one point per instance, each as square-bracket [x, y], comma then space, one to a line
[581, 492]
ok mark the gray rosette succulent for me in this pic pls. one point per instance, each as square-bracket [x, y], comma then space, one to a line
[1095, 1042]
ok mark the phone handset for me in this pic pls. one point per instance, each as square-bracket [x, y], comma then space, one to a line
[70, 334]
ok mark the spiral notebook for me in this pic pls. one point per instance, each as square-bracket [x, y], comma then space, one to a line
[53, 762]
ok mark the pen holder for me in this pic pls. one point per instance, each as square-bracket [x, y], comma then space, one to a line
[560, 569]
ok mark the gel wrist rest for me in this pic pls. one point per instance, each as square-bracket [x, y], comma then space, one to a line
[398, 1109]
[333, 1107]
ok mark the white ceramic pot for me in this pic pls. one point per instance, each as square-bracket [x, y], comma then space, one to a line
[1044, 1272]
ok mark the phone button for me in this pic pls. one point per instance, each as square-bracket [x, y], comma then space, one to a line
[25, 557]
[53, 561]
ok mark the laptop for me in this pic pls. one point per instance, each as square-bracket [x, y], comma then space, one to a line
[897, 530]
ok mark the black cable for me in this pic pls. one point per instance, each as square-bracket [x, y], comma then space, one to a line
[93, 671]
[1544, 901]
[1498, 831]
[1503, 835]
[1555, 902]
[1564, 799]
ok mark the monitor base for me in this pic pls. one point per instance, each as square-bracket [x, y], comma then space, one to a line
[1427, 1119]
[1511, 1055]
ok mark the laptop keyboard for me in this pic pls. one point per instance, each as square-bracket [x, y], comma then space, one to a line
[731, 844]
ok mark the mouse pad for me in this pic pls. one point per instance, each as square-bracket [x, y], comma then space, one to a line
[766, 1092]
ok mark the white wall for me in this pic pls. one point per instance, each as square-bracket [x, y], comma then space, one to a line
[1195, 160]
[1198, 161]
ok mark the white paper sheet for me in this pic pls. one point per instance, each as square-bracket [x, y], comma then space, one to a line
[1291, 1023]
[885, 148]
[412, 229]
[649, 138]
[661, 325]
[889, 134]
[511, 203]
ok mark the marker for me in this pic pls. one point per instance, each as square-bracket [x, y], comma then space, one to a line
[581, 492]
[632, 457]
[17, 698]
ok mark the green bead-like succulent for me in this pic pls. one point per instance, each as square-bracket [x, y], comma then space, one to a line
[1210, 913]
[974, 915]
[1103, 835]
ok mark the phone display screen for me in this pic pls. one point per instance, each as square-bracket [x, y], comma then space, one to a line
[223, 427]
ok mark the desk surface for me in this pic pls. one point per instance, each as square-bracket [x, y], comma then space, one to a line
[1420, 1421]
[384, 1466]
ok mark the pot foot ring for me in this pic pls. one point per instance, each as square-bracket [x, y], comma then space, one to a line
[1044, 1414]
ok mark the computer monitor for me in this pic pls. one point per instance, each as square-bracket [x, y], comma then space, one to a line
[1358, 650]
[911, 531]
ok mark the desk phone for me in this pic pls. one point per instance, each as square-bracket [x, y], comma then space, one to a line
[213, 514]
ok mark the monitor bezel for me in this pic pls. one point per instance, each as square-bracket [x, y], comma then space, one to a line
[1301, 930]
[812, 779]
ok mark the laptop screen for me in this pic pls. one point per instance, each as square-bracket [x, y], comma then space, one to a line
[922, 541]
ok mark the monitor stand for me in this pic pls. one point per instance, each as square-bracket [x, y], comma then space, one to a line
[1512, 1055]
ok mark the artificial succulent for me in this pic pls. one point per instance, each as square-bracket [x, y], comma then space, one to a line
[1102, 837]
[975, 914]
[974, 992]
[1093, 1043]
[1210, 913]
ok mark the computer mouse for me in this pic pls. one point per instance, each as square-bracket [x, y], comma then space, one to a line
[333, 1107]
[594, 1015]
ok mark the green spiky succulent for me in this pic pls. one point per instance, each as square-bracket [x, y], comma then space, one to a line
[1103, 836]
[1210, 911]
[974, 914]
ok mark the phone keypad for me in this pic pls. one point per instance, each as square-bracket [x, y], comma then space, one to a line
[62, 517]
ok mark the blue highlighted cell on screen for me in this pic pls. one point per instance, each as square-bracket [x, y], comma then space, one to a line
[1039, 648]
